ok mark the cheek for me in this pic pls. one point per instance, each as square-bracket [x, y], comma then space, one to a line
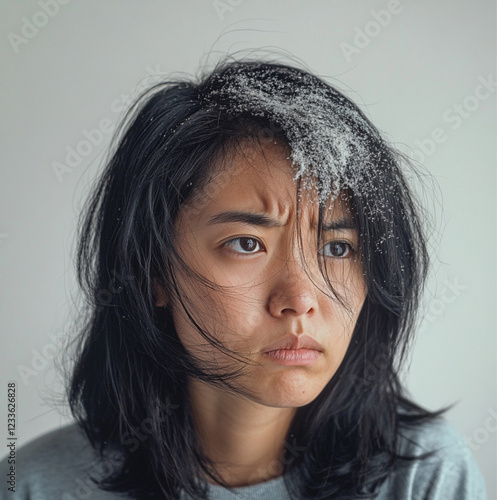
[226, 315]
[350, 287]
[341, 320]
[355, 282]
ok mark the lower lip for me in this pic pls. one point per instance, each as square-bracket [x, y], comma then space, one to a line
[293, 357]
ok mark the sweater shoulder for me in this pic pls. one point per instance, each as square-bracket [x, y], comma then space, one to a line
[449, 472]
[438, 436]
[59, 464]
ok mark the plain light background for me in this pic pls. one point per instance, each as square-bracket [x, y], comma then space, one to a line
[424, 71]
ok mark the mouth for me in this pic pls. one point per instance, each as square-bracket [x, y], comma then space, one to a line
[293, 357]
[293, 351]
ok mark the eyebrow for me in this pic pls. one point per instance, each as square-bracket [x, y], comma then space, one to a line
[255, 219]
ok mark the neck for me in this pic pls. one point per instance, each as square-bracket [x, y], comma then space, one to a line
[243, 438]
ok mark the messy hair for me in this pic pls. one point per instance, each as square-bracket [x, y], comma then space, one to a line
[132, 370]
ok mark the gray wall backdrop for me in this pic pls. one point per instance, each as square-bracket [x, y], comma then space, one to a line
[424, 72]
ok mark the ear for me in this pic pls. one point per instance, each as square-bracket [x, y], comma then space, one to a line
[160, 295]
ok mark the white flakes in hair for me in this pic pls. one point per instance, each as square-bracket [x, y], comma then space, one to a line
[330, 139]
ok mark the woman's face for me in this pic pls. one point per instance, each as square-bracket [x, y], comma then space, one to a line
[271, 304]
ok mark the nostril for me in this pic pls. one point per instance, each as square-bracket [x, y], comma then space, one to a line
[298, 305]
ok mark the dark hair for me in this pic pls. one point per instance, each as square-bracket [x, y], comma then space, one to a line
[128, 385]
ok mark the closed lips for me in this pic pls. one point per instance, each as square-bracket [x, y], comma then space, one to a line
[292, 342]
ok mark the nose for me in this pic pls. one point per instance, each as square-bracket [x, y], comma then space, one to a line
[293, 293]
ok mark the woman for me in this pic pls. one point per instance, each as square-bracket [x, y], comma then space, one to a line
[253, 260]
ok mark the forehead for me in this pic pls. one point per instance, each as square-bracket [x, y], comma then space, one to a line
[260, 179]
[261, 176]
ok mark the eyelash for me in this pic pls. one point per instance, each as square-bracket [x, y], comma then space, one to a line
[349, 251]
[227, 244]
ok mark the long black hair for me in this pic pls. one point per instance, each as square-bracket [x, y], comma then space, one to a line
[128, 387]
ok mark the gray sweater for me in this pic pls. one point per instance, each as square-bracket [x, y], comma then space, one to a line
[57, 465]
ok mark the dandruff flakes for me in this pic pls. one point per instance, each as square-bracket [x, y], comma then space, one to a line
[330, 139]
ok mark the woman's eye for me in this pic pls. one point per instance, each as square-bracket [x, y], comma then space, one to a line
[337, 249]
[245, 245]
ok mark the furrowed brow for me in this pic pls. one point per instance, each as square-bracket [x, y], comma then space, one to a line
[253, 219]
[338, 225]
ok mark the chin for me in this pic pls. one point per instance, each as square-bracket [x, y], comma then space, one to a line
[291, 392]
[288, 401]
